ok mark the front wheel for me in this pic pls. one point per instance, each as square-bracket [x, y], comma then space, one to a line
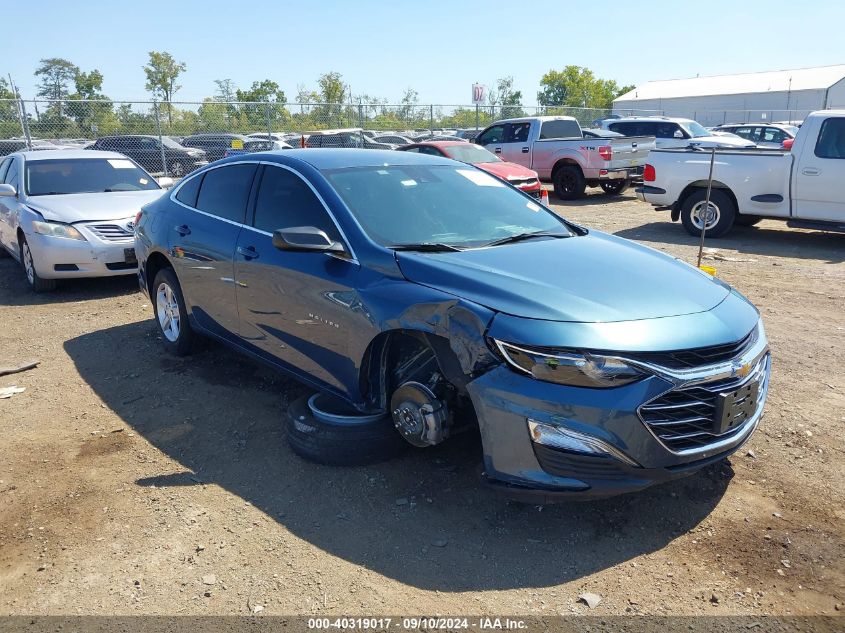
[177, 169]
[36, 283]
[717, 219]
[615, 187]
[569, 182]
[171, 313]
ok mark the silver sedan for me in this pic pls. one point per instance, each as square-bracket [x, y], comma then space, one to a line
[71, 213]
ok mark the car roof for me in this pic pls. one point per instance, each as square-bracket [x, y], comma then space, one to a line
[69, 154]
[128, 136]
[522, 119]
[444, 143]
[338, 158]
[650, 119]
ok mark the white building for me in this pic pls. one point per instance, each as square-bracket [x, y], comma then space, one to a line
[781, 95]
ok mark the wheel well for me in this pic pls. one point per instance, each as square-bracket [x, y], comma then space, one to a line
[155, 262]
[564, 162]
[381, 356]
[702, 184]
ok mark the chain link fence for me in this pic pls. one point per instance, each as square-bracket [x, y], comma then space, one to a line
[174, 138]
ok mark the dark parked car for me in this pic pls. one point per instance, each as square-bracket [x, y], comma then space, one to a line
[214, 145]
[344, 138]
[147, 152]
[423, 297]
[10, 146]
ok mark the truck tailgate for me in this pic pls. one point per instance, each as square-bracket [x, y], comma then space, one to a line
[630, 151]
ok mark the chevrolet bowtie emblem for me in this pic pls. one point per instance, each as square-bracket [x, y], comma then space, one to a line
[740, 370]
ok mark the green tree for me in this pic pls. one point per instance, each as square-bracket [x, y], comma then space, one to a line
[226, 94]
[577, 86]
[262, 99]
[8, 108]
[88, 106]
[56, 75]
[509, 99]
[409, 102]
[162, 71]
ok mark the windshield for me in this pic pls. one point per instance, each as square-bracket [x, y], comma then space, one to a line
[467, 153]
[695, 129]
[438, 204]
[85, 175]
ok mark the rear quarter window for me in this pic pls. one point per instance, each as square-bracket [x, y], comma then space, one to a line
[189, 191]
[560, 129]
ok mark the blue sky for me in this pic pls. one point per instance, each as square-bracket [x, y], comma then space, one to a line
[437, 47]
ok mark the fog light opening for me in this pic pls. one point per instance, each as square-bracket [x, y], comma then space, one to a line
[568, 440]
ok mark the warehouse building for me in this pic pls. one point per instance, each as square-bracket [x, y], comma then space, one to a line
[782, 95]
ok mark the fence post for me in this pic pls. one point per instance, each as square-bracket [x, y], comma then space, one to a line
[360, 114]
[269, 124]
[24, 124]
[431, 118]
[160, 143]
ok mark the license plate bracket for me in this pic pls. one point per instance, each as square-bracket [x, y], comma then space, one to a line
[734, 408]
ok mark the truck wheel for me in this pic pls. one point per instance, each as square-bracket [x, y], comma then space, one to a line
[615, 187]
[747, 220]
[569, 182]
[339, 437]
[719, 218]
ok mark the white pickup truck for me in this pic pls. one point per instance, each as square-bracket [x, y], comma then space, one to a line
[804, 186]
[555, 147]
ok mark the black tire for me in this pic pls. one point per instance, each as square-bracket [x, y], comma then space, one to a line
[747, 220]
[720, 202]
[615, 187]
[345, 444]
[36, 283]
[167, 299]
[569, 182]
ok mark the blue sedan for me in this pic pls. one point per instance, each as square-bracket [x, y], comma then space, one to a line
[421, 297]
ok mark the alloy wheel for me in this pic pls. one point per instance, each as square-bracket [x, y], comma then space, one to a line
[167, 310]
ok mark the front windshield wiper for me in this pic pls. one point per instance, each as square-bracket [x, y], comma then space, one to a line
[519, 237]
[425, 247]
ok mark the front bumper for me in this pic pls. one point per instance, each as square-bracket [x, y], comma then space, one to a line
[61, 258]
[521, 468]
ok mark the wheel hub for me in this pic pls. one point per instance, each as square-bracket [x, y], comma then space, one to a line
[419, 415]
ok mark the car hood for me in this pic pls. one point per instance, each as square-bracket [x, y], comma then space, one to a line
[720, 141]
[84, 207]
[507, 170]
[597, 278]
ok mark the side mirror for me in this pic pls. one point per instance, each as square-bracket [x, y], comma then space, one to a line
[8, 191]
[305, 238]
[165, 182]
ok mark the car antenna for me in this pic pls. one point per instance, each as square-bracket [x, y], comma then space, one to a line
[706, 207]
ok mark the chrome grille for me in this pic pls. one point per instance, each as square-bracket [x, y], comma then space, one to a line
[684, 418]
[111, 232]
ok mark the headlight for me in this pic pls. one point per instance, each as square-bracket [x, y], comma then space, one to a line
[577, 369]
[54, 229]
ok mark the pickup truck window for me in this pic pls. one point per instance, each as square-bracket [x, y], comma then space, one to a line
[831, 143]
[517, 132]
[560, 129]
[493, 134]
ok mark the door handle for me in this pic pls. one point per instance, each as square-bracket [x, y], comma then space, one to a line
[811, 171]
[525, 150]
[247, 252]
[182, 229]
[498, 150]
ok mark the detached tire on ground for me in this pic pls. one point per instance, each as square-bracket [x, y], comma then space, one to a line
[347, 441]
[569, 182]
[720, 218]
[615, 187]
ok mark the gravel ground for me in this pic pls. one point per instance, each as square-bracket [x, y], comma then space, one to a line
[132, 482]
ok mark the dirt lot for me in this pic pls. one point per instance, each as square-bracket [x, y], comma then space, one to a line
[133, 482]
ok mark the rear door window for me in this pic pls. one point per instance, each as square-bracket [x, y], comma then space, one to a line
[630, 128]
[517, 132]
[224, 191]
